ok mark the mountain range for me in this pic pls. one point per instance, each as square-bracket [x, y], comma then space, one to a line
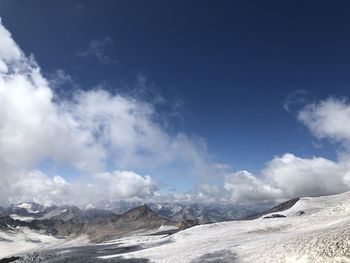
[312, 228]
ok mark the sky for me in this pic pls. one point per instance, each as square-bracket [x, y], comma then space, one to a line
[236, 101]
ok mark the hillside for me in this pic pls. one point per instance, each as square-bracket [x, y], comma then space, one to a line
[314, 229]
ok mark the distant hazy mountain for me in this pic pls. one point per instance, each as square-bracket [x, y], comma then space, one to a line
[176, 212]
[97, 224]
[205, 212]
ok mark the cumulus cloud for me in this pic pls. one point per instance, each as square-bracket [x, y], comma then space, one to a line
[315, 176]
[124, 184]
[116, 185]
[328, 118]
[285, 177]
[92, 131]
[246, 187]
[32, 126]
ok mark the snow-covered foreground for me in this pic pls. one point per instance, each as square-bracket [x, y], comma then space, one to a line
[314, 230]
[24, 240]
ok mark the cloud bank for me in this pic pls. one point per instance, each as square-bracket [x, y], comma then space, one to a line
[98, 133]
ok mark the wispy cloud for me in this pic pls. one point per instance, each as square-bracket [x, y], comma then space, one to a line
[295, 98]
[97, 49]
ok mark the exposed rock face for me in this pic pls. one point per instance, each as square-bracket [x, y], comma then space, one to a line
[140, 212]
[141, 217]
[8, 260]
[7, 222]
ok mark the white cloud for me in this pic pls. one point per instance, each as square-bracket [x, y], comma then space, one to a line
[246, 187]
[289, 176]
[328, 119]
[124, 184]
[44, 189]
[37, 186]
[9, 50]
[92, 132]
[297, 176]
[32, 126]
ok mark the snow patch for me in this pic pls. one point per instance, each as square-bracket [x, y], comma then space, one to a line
[22, 218]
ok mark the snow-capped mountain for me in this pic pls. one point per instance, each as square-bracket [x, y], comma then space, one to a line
[27, 208]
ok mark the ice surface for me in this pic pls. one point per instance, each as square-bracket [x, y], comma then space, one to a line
[24, 240]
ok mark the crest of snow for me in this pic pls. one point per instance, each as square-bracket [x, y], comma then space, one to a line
[25, 205]
[22, 218]
[90, 206]
[28, 207]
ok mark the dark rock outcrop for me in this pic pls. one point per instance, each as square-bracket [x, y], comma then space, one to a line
[274, 216]
[8, 260]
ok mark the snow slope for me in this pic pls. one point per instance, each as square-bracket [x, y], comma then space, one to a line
[316, 229]
[24, 240]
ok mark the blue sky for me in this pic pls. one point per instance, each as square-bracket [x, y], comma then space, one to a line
[224, 69]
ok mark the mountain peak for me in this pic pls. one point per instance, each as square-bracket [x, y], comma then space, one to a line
[27, 207]
[142, 212]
